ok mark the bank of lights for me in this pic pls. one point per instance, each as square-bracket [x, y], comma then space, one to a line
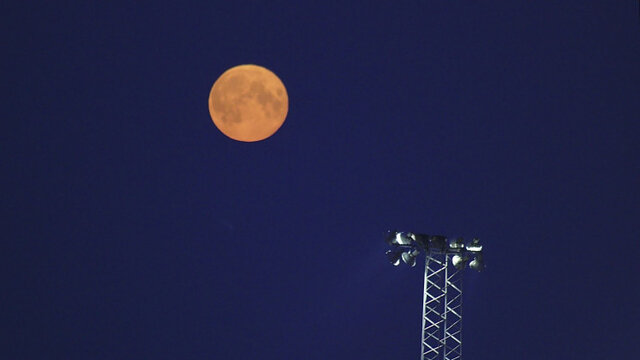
[407, 246]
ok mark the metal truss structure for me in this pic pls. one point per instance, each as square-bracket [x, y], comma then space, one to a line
[442, 310]
[442, 297]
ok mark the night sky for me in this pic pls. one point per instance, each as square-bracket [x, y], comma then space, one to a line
[134, 229]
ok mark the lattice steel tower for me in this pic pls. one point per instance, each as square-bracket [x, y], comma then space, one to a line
[442, 299]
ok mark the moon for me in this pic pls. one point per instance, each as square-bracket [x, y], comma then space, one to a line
[248, 103]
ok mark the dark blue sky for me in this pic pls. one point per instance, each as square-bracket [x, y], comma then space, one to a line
[133, 229]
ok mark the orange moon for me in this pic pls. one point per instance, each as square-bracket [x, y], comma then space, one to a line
[248, 103]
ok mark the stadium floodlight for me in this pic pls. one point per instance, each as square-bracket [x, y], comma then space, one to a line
[457, 243]
[409, 257]
[394, 257]
[474, 245]
[404, 238]
[459, 261]
[442, 301]
[477, 263]
[396, 238]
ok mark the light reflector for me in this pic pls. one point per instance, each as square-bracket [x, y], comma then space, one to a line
[459, 261]
[457, 243]
[474, 245]
[409, 257]
[403, 238]
[477, 263]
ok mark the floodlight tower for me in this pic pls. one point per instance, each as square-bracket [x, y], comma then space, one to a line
[442, 297]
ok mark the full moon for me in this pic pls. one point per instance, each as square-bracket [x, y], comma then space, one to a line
[248, 103]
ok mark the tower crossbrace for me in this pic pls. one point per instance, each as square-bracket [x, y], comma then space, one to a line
[442, 309]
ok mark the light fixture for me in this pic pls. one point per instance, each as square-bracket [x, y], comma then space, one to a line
[394, 257]
[474, 245]
[402, 238]
[457, 243]
[409, 257]
[477, 263]
[459, 261]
